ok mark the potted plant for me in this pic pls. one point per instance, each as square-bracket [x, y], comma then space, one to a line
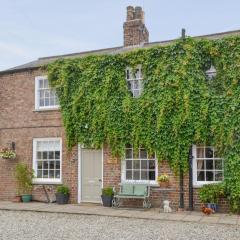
[62, 195]
[7, 153]
[107, 196]
[24, 178]
[210, 194]
[163, 180]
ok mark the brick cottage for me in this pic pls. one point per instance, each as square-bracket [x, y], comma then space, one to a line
[30, 121]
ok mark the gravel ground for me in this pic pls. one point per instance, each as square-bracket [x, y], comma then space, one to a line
[44, 226]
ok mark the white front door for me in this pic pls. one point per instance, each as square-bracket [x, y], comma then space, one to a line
[90, 175]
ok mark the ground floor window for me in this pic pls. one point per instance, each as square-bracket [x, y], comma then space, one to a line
[139, 166]
[207, 165]
[47, 157]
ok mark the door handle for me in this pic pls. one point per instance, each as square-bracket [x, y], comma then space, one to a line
[100, 180]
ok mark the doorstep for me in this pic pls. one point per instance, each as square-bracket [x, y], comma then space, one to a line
[96, 209]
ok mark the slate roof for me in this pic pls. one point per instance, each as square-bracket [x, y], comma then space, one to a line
[45, 60]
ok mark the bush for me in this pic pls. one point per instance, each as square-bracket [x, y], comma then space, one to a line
[211, 193]
[24, 178]
[108, 191]
[63, 189]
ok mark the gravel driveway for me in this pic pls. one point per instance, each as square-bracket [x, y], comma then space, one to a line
[44, 226]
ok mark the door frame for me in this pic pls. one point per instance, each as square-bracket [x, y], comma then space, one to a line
[79, 198]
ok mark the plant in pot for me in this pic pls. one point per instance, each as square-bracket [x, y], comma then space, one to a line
[62, 195]
[7, 153]
[210, 194]
[107, 196]
[24, 178]
[163, 180]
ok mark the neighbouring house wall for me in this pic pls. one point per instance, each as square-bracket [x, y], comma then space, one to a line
[20, 123]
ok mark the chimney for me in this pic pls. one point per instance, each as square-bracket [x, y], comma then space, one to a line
[135, 31]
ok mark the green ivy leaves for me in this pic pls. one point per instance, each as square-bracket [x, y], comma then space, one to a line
[178, 107]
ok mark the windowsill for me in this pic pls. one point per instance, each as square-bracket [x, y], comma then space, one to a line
[47, 182]
[47, 109]
[151, 184]
[201, 184]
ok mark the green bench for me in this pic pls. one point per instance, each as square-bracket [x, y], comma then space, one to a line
[132, 191]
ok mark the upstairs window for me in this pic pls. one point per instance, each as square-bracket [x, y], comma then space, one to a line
[211, 72]
[45, 97]
[207, 165]
[139, 166]
[135, 80]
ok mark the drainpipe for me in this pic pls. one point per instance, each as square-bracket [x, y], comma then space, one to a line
[181, 182]
[190, 157]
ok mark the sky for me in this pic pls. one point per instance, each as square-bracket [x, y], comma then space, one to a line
[30, 29]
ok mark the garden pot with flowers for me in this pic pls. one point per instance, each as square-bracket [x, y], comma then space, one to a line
[7, 153]
[163, 180]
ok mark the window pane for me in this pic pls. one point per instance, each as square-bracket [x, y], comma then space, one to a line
[136, 164]
[144, 175]
[200, 176]
[218, 164]
[136, 93]
[152, 164]
[45, 155]
[52, 101]
[41, 83]
[209, 152]
[136, 175]
[151, 156]
[51, 165]
[200, 152]
[57, 164]
[200, 164]
[144, 164]
[47, 102]
[39, 155]
[57, 154]
[51, 173]
[152, 175]
[136, 84]
[129, 153]
[45, 173]
[46, 83]
[39, 165]
[129, 175]
[209, 164]
[142, 154]
[209, 176]
[129, 164]
[218, 176]
[45, 165]
[41, 103]
[39, 174]
[216, 154]
[51, 155]
[57, 175]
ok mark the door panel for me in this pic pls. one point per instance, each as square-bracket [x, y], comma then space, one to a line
[91, 173]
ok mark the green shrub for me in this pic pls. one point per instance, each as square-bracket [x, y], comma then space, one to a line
[63, 189]
[24, 178]
[211, 193]
[108, 191]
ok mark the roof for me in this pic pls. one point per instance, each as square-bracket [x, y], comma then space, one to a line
[45, 60]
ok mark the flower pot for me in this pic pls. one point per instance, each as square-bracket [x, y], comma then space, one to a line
[107, 200]
[213, 206]
[17, 199]
[62, 198]
[164, 184]
[26, 198]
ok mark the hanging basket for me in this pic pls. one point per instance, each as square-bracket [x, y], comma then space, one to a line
[7, 153]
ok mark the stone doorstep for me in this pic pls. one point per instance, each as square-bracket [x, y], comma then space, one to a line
[152, 214]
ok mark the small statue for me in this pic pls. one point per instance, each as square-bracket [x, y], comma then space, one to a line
[166, 207]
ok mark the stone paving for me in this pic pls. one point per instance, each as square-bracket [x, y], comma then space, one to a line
[93, 209]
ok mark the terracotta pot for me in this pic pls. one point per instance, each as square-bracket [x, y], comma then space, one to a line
[17, 199]
[164, 184]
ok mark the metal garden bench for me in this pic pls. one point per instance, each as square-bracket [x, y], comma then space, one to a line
[132, 191]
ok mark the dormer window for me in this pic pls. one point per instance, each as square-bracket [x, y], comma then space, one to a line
[211, 72]
[134, 79]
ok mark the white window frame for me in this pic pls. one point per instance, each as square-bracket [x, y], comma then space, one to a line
[197, 183]
[45, 180]
[149, 182]
[211, 72]
[37, 96]
[133, 78]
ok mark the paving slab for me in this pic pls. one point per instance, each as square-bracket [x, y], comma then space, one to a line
[209, 219]
[192, 218]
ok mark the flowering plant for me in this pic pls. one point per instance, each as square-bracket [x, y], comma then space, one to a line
[7, 153]
[163, 178]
